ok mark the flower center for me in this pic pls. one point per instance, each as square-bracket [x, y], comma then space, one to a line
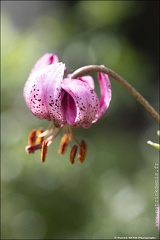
[37, 140]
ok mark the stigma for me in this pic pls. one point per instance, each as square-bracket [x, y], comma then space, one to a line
[41, 140]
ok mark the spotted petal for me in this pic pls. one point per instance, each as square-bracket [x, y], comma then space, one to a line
[37, 89]
[54, 97]
[80, 103]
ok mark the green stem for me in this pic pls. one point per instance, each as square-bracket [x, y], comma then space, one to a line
[94, 68]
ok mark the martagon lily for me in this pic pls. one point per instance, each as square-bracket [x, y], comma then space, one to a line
[65, 102]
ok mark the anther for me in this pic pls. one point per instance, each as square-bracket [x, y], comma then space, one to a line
[44, 151]
[64, 143]
[83, 150]
[32, 138]
[39, 139]
[73, 153]
[31, 149]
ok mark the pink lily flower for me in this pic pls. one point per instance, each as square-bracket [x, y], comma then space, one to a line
[63, 101]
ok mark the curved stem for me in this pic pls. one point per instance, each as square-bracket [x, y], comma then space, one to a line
[95, 68]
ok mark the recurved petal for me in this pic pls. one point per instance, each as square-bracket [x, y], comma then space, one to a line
[36, 89]
[45, 60]
[80, 103]
[55, 95]
[88, 79]
[105, 93]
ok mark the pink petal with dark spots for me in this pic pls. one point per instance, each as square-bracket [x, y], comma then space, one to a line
[55, 95]
[80, 103]
[36, 89]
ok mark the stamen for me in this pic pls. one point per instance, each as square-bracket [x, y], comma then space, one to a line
[31, 149]
[83, 150]
[44, 151]
[64, 143]
[47, 131]
[73, 153]
[36, 141]
[39, 140]
[32, 137]
[50, 139]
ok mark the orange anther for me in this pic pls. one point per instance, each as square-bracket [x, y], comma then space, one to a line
[32, 138]
[73, 153]
[44, 151]
[83, 150]
[64, 143]
[39, 140]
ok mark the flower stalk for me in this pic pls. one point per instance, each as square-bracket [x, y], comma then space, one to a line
[95, 68]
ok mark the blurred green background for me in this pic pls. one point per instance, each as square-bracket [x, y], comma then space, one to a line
[112, 193]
